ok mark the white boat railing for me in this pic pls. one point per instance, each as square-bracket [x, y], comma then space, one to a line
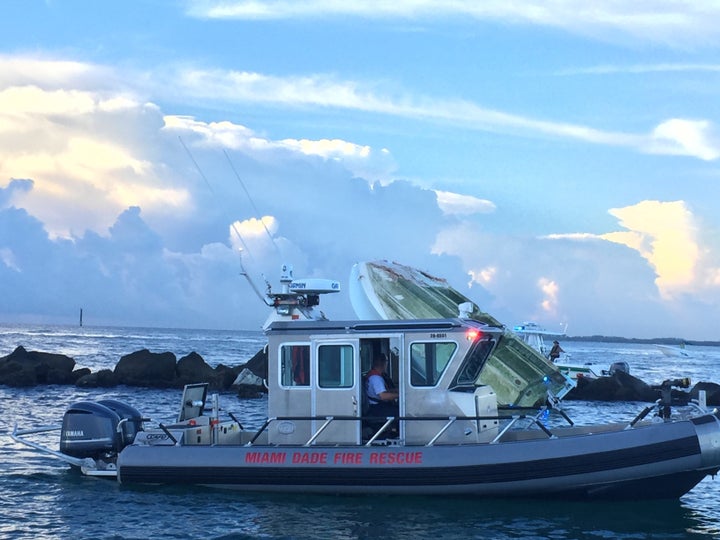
[388, 421]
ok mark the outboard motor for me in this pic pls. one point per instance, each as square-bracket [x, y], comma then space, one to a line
[619, 366]
[90, 430]
[131, 420]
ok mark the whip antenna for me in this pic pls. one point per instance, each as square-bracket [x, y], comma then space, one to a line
[252, 202]
[207, 182]
[234, 228]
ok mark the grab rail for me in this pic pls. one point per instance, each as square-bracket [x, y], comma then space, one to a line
[389, 420]
[450, 422]
[322, 428]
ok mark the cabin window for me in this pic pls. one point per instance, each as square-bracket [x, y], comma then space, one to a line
[428, 362]
[336, 366]
[295, 365]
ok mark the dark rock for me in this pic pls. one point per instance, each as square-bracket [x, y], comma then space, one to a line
[145, 368]
[258, 364]
[78, 373]
[247, 391]
[227, 375]
[30, 368]
[105, 378]
[141, 368]
[620, 386]
[193, 369]
[712, 392]
[16, 375]
[193, 365]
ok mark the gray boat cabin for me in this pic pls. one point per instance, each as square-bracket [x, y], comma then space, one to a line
[316, 369]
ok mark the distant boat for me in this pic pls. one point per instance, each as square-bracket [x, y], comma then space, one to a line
[669, 350]
[533, 334]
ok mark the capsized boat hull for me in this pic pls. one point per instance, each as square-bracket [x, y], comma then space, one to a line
[386, 290]
[654, 461]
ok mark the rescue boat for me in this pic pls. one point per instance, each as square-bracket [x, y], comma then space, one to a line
[449, 437]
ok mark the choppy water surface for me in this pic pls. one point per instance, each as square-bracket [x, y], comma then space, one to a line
[42, 498]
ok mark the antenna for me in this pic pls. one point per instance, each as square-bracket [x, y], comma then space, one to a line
[297, 298]
[257, 212]
[265, 298]
[243, 271]
[207, 182]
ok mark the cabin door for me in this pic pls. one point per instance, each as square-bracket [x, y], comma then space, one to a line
[336, 389]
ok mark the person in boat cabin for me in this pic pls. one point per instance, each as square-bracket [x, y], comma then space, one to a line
[382, 400]
[555, 351]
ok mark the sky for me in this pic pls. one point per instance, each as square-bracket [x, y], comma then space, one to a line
[555, 161]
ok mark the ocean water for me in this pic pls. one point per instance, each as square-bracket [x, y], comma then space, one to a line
[42, 498]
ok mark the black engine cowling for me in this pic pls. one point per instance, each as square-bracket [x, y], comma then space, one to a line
[619, 366]
[91, 429]
[133, 420]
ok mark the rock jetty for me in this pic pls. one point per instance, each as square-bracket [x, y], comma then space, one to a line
[143, 368]
[621, 386]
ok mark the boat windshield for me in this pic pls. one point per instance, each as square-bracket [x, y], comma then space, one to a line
[473, 364]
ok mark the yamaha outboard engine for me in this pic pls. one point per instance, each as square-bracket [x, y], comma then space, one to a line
[90, 430]
[130, 420]
[619, 366]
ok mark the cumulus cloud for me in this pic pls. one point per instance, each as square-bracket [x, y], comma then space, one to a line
[482, 276]
[66, 141]
[665, 234]
[550, 290]
[589, 283]
[130, 232]
[114, 217]
[674, 244]
[46, 73]
[697, 138]
[660, 262]
[15, 186]
[361, 160]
